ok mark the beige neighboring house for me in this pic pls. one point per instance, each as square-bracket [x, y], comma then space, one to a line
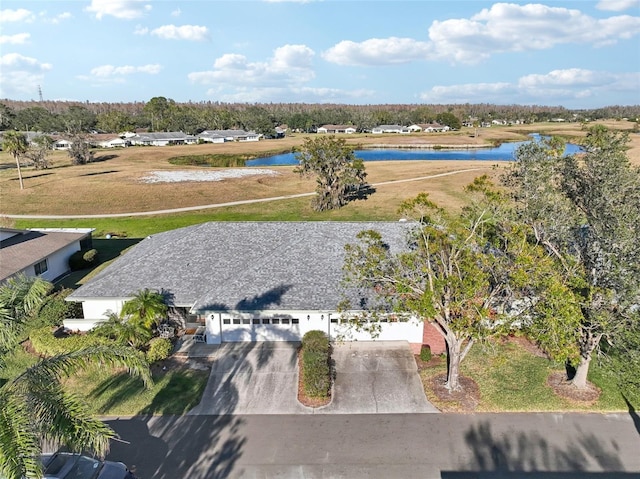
[390, 129]
[336, 129]
[40, 252]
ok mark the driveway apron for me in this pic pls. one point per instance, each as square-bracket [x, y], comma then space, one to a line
[371, 377]
[374, 377]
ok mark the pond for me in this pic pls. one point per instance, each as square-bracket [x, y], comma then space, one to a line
[504, 152]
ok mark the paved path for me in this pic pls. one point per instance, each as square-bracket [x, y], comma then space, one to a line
[424, 446]
[218, 205]
[262, 378]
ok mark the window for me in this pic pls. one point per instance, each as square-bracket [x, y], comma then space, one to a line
[41, 267]
[275, 321]
[236, 320]
[255, 320]
[295, 320]
[226, 321]
[265, 321]
[285, 320]
[246, 321]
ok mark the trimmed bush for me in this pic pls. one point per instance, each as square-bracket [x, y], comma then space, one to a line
[425, 354]
[45, 343]
[316, 370]
[83, 259]
[55, 309]
[159, 349]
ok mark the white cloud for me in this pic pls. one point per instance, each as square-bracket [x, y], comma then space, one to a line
[183, 32]
[16, 39]
[557, 86]
[176, 13]
[21, 75]
[108, 71]
[57, 18]
[617, 5]
[140, 30]
[378, 51]
[290, 65]
[122, 9]
[511, 28]
[19, 15]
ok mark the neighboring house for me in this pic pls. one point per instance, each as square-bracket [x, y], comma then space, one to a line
[62, 144]
[220, 136]
[248, 281]
[40, 252]
[335, 129]
[116, 142]
[162, 139]
[429, 127]
[390, 129]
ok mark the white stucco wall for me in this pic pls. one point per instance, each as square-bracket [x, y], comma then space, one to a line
[240, 326]
[98, 308]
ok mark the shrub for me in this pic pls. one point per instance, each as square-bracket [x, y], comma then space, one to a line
[55, 309]
[45, 343]
[83, 259]
[159, 349]
[316, 370]
[425, 354]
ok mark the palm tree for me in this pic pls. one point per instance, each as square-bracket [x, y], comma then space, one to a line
[36, 408]
[124, 331]
[146, 307]
[24, 295]
[16, 144]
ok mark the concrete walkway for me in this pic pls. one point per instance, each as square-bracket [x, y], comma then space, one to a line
[262, 378]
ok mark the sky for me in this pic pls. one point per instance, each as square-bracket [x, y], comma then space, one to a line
[577, 54]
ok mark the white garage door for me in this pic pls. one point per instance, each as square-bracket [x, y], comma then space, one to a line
[235, 329]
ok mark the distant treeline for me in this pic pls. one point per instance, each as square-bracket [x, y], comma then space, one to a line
[164, 114]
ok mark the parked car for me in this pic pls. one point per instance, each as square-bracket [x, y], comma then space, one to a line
[66, 465]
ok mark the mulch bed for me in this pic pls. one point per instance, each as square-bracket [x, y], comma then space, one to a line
[464, 400]
[563, 388]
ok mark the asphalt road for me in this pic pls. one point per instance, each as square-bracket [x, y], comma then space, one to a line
[443, 446]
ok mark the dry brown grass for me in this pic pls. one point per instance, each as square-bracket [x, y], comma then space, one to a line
[112, 184]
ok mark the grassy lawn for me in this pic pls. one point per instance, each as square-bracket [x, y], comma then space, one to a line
[109, 394]
[511, 378]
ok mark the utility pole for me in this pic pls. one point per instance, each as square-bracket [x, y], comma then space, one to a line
[40, 94]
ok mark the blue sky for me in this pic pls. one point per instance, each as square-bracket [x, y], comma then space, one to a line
[578, 54]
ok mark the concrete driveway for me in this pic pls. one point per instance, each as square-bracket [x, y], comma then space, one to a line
[262, 378]
[376, 377]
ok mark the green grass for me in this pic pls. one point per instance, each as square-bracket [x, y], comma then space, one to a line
[15, 363]
[173, 392]
[510, 378]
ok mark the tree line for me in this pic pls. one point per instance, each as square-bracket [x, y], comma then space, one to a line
[165, 114]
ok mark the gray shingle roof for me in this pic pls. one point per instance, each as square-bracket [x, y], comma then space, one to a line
[29, 247]
[240, 266]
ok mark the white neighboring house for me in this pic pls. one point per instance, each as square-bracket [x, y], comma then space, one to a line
[336, 129]
[62, 144]
[162, 139]
[390, 129]
[215, 136]
[116, 142]
[40, 252]
[429, 127]
[248, 281]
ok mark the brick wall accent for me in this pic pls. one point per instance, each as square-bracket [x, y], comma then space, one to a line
[432, 338]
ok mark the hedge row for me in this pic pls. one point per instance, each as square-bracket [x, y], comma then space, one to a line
[316, 369]
[83, 259]
[45, 343]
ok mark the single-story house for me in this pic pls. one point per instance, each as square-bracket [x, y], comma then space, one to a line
[214, 136]
[62, 144]
[335, 129]
[390, 129]
[40, 252]
[162, 139]
[429, 127]
[249, 281]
